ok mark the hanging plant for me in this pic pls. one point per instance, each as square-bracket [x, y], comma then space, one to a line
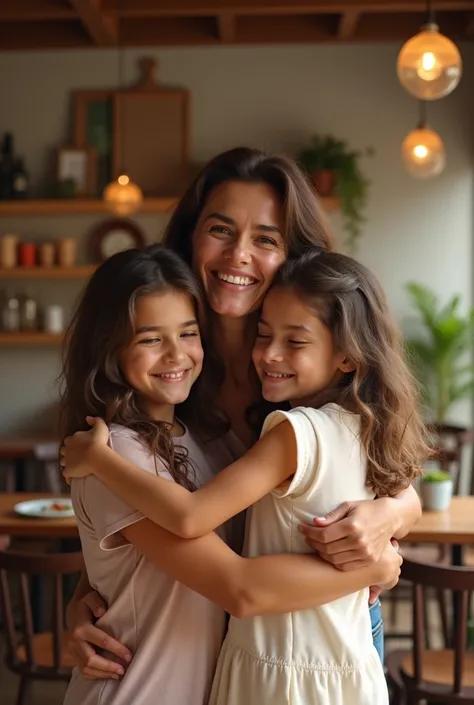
[335, 171]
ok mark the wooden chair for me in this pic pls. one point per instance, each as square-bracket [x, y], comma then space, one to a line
[32, 656]
[443, 676]
[47, 455]
[449, 442]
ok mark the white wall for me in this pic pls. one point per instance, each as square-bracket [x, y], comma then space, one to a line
[273, 98]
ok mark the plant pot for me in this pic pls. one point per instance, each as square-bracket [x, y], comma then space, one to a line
[436, 496]
[324, 182]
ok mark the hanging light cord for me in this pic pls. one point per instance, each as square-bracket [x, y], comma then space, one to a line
[120, 81]
[430, 13]
[422, 115]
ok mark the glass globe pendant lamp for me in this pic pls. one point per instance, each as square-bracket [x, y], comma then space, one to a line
[423, 152]
[429, 65]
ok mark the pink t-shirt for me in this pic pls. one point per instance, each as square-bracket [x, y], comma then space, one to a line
[174, 633]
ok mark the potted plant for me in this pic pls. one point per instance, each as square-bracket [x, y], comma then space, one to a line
[335, 171]
[442, 354]
[436, 490]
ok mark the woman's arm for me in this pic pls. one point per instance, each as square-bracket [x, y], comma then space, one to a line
[190, 514]
[85, 606]
[355, 533]
[250, 586]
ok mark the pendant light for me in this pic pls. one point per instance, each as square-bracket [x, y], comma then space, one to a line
[429, 65]
[122, 196]
[423, 150]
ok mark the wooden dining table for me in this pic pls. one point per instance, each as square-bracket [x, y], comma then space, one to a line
[13, 524]
[453, 527]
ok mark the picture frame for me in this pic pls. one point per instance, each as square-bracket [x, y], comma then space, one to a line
[77, 166]
[93, 127]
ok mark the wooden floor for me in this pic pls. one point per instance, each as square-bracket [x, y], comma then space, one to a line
[53, 693]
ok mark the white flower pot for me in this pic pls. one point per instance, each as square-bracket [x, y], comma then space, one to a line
[436, 496]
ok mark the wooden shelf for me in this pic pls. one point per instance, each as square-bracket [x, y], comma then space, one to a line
[58, 206]
[20, 339]
[82, 272]
[80, 206]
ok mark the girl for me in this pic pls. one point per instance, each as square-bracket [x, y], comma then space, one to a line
[244, 214]
[133, 353]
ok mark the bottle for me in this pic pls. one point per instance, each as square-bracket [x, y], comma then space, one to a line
[29, 313]
[11, 314]
[6, 166]
[20, 179]
[54, 319]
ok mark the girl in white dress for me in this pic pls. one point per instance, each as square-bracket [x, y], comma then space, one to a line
[326, 346]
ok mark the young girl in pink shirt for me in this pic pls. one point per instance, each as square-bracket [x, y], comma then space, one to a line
[134, 356]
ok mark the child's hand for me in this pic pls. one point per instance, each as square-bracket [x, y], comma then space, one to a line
[77, 453]
[390, 564]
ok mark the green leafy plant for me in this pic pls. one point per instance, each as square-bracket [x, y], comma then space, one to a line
[438, 476]
[442, 355]
[331, 154]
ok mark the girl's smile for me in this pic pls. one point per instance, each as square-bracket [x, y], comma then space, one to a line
[294, 353]
[165, 356]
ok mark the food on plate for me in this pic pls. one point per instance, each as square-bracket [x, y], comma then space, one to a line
[56, 507]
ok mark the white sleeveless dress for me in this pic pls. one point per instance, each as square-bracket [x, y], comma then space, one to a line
[323, 655]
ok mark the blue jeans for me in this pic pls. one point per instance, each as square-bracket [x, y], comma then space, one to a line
[377, 627]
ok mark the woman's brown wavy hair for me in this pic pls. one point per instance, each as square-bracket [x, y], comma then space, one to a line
[349, 300]
[92, 383]
[305, 224]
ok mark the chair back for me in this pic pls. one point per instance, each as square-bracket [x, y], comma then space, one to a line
[449, 442]
[23, 566]
[459, 582]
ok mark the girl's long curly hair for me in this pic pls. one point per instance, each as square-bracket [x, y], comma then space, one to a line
[92, 383]
[349, 300]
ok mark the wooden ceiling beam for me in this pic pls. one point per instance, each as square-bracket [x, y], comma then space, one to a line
[33, 11]
[44, 35]
[201, 8]
[102, 27]
[348, 25]
[226, 27]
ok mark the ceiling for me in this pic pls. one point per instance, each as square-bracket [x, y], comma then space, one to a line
[46, 24]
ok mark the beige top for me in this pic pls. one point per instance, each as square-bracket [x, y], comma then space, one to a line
[326, 654]
[174, 633]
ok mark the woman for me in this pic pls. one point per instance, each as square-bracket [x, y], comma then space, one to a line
[244, 215]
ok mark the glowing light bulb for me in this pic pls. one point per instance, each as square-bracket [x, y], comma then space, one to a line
[123, 197]
[429, 65]
[420, 151]
[429, 68]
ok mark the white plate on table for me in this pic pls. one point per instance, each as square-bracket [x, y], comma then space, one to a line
[52, 508]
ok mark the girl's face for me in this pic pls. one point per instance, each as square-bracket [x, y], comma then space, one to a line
[164, 357]
[238, 246]
[294, 353]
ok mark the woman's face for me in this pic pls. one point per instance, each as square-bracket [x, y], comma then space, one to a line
[238, 246]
